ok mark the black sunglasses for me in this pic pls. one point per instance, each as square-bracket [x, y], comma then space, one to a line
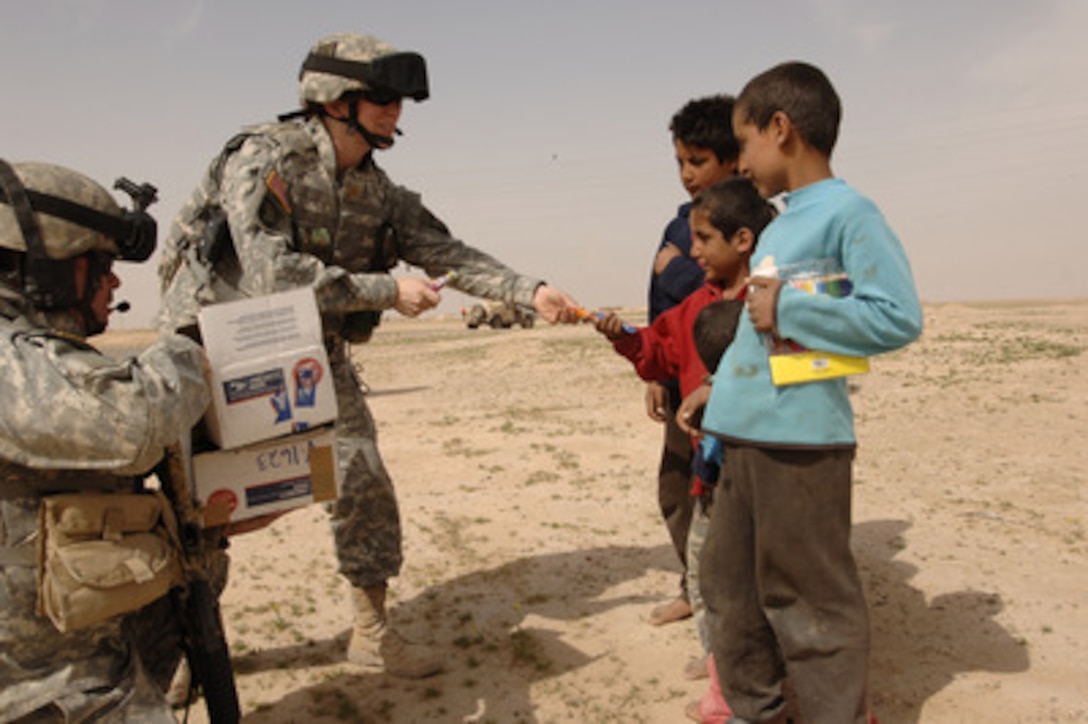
[381, 96]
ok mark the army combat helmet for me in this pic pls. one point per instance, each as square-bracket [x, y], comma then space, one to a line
[350, 66]
[50, 215]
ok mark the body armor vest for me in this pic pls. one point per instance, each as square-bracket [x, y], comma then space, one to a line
[354, 224]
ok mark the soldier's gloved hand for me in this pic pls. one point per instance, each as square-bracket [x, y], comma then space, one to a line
[415, 296]
[554, 305]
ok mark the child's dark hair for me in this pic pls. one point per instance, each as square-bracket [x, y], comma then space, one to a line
[803, 93]
[714, 328]
[732, 204]
[707, 123]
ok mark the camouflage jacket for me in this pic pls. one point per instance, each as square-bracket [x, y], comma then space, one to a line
[73, 420]
[294, 221]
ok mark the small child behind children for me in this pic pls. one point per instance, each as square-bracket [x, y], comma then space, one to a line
[713, 331]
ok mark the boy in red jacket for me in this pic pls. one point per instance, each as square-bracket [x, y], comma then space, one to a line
[726, 220]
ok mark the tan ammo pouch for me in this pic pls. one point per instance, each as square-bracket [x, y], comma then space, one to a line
[103, 555]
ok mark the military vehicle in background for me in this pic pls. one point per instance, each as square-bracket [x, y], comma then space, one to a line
[497, 315]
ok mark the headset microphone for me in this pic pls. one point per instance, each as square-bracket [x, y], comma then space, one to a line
[121, 307]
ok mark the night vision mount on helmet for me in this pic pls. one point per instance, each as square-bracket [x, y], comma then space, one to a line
[56, 215]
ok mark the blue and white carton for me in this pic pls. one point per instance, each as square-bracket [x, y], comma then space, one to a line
[269, 371]
[266, 477]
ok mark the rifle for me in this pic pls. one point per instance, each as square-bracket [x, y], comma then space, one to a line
[195, 603]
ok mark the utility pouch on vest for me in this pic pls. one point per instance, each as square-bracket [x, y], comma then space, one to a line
[103, 555]
[216, 241]
[359, 326]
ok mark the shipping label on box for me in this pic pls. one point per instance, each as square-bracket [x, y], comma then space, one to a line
[269, 369]
[267, 477]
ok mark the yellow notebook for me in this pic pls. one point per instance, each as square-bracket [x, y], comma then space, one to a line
[812, 365]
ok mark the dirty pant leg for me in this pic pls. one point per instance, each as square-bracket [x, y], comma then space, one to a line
[816, 601]
[700, 523]
[740, 638]
[674, 485]
[365, 518]
[806, 587]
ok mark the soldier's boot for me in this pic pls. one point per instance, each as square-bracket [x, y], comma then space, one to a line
[375, 644]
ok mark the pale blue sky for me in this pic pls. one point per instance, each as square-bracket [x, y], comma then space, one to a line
[545, 140]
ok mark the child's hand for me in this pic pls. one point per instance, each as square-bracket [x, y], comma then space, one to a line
[762, 302]
[665, 255]
[609, 325]
[690, 412]
[657, 402]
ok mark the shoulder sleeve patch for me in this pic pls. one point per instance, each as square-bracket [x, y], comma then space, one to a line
[278, 187]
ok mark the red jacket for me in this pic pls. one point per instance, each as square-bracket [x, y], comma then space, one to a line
[666, 349]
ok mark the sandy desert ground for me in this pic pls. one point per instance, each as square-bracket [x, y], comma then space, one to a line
[534, 550]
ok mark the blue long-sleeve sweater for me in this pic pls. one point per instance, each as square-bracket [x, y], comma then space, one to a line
[826, 220]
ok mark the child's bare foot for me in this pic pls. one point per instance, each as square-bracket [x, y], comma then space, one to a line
[676, 610]
[695, 668]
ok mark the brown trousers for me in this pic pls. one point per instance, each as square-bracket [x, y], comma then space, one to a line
[674, 486]
[783, 596]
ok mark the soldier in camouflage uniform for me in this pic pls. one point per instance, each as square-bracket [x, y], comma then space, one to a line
[74, 421]
[302, 202]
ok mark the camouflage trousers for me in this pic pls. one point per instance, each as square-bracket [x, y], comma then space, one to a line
[365, 518]
[48, 676]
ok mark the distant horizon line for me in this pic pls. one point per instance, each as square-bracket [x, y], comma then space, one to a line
[450, 316]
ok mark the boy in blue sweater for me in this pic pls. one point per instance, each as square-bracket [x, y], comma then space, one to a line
[782, 592]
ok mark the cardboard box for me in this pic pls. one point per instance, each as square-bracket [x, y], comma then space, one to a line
[266, 477]
[269, 371]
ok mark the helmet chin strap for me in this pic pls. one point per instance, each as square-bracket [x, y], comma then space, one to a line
[376, 141]
[92, 325]
[95, 274]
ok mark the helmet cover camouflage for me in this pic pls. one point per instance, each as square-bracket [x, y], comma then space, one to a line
[63, 239]
[317, 87]
[347, 63]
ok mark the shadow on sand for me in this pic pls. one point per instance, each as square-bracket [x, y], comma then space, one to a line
[933, 640]
[480, 621]
[495, 653]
